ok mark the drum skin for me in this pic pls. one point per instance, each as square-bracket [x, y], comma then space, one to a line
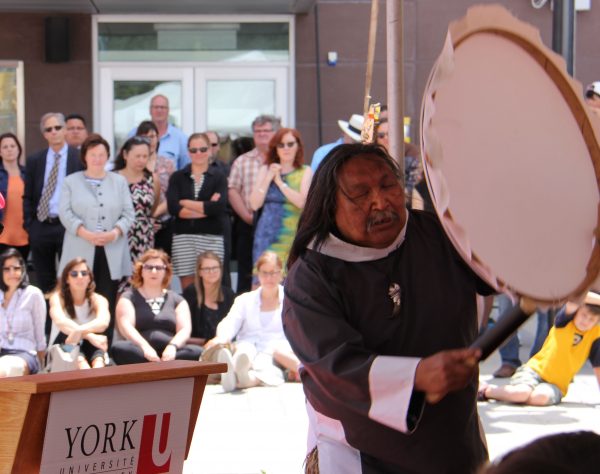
[511, 158]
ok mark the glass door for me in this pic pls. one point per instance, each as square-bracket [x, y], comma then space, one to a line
[229, 98]
[206, 97]
[125, 93]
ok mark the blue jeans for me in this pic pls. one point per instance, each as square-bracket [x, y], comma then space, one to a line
[509, 352]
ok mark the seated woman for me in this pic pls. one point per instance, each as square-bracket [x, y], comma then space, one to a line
[152, 319]
[254, 321]
[22, 319]
[79, 314]
[208, 299]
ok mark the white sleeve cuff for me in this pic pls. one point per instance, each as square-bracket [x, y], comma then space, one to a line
[391, 382]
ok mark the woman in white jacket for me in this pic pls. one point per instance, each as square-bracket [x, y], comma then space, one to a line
[260, 350]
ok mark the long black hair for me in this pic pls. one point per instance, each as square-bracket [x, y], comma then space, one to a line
[13, 253]
[317, 220]
[127, 146]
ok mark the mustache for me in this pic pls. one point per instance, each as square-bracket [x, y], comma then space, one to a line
[377, 217]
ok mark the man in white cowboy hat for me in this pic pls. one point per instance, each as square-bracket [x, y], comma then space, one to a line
[351, 129]
[592, 96]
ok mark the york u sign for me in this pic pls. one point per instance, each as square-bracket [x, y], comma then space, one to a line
[125, 429]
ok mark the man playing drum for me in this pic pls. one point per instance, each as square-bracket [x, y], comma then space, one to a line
[380, 308]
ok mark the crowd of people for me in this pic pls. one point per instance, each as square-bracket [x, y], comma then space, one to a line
[105, 237]
[369, 280]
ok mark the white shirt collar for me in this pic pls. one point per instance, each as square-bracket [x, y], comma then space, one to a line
[338, 248]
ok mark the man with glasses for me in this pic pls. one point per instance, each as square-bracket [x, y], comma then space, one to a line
[45, 172]
[172, 140]
[241, 179]
[76, 130]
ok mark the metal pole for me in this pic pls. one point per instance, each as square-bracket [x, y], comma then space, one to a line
[563, 31]
[371, 54]
[395, 79]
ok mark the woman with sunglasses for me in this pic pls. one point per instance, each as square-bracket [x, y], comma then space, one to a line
[79, 314]
[131, 163]
[96, 210]
[12, 186]
[260, 351]
[162, 167]
[197, 199]
[208, 299]
[154, 322]
[280, 190]
[22, 319]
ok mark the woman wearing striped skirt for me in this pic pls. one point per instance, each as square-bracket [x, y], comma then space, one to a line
[196, 197]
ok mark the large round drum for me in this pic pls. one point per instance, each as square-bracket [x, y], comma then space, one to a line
[511, 157]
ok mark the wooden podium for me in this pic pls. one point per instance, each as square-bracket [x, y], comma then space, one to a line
[25, 402]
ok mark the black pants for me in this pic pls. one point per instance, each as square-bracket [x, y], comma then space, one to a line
[106, 287]
[164, 237]
[45, 241]
[126, 352]
[244, 241]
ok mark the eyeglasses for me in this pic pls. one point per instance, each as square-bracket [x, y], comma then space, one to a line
[214, 145]
[12, 268]
[81, 273]
[56, 128]
[382, 134]
[158, 268]
[269, 274]
[263, 130]
[71, 129]
[210, 269]
[288, 144]
[202, 149]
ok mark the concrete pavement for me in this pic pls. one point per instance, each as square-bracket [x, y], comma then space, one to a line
[263, 430]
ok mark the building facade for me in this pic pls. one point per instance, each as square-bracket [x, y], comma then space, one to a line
[220, 63]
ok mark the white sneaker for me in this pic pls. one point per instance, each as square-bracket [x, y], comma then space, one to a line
[242, 365]
[228, 379]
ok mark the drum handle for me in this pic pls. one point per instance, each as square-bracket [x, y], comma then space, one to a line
[504, 328]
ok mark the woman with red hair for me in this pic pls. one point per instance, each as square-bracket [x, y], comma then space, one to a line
[280, 190]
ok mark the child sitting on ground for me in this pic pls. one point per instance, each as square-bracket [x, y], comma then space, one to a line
[545, 378]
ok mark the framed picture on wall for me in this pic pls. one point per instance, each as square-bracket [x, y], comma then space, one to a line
[12, 99]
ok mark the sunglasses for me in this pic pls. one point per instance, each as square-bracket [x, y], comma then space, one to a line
[288, 144]
[214, 145]
[158, 268]
[202, 149]
[81, 273]
[14, 268]
[56, 128]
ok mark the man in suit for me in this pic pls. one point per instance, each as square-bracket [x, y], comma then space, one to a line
[45, 171]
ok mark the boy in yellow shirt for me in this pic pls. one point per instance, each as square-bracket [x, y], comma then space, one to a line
[545, 378]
